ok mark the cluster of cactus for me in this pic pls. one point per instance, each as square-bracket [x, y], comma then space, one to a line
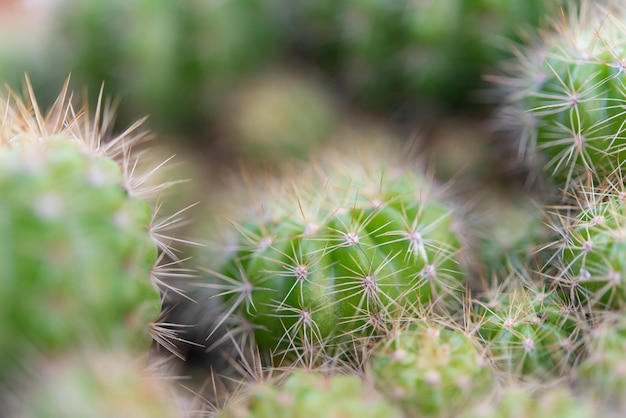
[352, 284]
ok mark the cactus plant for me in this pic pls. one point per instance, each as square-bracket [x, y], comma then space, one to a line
[80, 243]
[305, 394]
[430, 370]
[564, 95]
[340, 252]
[529, 328]
[92, 384]
[399, 52]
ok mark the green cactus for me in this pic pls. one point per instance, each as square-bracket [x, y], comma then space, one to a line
[564, 95]
[92, 384]
[306, 394]
[590, 255]
[430, 370]
[529, 329]
[79, 245]
[339, 252]
[534, 400]
[603, 371]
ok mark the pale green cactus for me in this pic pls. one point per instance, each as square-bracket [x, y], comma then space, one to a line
[430, 370]
[528, 328]
[306, 393]
[589, 263]
[78, 258]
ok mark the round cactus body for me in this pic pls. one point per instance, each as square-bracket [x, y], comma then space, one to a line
[566, 91]
[341, 253]
[529, 330]
[306, 394]
[78, 251]
[430, 370]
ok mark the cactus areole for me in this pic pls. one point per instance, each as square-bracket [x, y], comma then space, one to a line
[340, 254]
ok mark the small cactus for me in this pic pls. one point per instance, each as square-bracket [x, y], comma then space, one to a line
[340, 252]
[430, 370]
[305, 394]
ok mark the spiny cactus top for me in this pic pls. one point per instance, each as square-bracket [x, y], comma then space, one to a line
[79, 244]
[565, 93]
[335, 253]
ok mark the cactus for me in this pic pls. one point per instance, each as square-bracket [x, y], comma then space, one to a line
[589, 262]
[305, 394]
[513, 232]
[534, 400]
[78, 261]
[603, 371]
[430, 370]
[92, 384]
[336, 256]
[564, 95]
[529, 329]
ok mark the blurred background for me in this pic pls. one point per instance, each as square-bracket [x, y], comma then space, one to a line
[263, 81]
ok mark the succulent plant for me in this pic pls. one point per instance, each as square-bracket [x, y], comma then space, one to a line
[337, 253]
[430, 370]
[306, 393]
[564, 94]
[78, 262]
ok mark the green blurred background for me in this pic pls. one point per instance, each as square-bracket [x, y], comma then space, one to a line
[268, 80]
